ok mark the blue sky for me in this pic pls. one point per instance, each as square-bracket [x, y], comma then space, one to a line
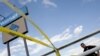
[62, 20]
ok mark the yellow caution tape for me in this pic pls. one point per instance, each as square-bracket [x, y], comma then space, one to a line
[57, 53]
[32, 22]
[6, 30]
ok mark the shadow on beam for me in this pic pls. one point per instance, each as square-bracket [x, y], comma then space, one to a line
[69, 44]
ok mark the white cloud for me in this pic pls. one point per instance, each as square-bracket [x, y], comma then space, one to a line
[38, 48]
[92, 41]
[55, 39]
[13, 49]
[75, 51]
[24, 2]
[58, 38]
[49, 3]
[3, 53]
[78, 29]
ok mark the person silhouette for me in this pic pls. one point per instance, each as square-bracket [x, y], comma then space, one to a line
[88, 48]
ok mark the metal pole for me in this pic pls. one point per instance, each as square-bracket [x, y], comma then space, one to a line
[26, 47]
[8, 49]
[69, 44]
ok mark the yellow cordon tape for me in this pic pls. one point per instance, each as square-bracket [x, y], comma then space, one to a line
[6, 30]
[32, 22]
